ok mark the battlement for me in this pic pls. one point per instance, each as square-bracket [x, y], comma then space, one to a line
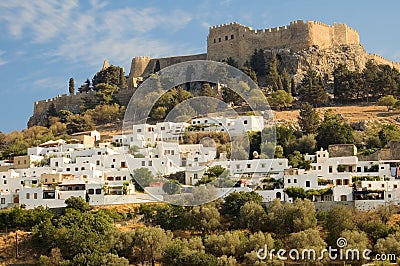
[230, 25]
[381, 60]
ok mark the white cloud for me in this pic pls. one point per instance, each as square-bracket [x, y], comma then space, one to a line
[2, 60]
[96, 33]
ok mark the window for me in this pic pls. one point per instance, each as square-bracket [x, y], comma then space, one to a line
[82, 168]
[308, 183]
[330, 169]
[97, 162]
[139, 130]
[369, 185]
[226, 37]
[98, 191]
[195, 176]
[289, 181]
[3, 201]
[91, 191]
[263, 165]
[5, 182]
[383, 185]
[112, 166]
[238, 166]
[28, 196]
[248, 165]
[110, 178]
[123, 164]
[295, 181]
[150, 163]
[162, 128]
[118, 178]
[113, 160]
[56, 164]
[219, 39]
[245, 122]
[35, 195]
[395, 186]
[143, 163]
[124, 178]
[196, 159]
[389, 196]
[232, 37]
[68, 169]
[358, 169]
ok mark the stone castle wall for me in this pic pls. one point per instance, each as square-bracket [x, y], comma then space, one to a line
[71, 103]
[239, 41]
[143, 66]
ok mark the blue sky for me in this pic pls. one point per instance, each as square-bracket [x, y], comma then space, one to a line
[45, 42]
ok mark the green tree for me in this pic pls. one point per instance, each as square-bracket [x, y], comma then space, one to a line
[308, 239]
[273, 74]
[291, 217]
[308, 119]
[234, 201]
[388, 132]
[122, 79]
[71, 86]
[280, 99]
[77, 203]
[230, 96]
[149, 243]
[205, 218]
[252, 216]
[388, 101]
[312, 89]
[78, 123]
[229, 244]
[171, 187]
[105, 93]
[339, 218]
[286, 81]
[157, 66]
[106, 113]
[85, 87]
[306, 144]
[232, 62]
[207, 91]
[257, 62]
[250, 72]
[142, 177]
[334, 130]
[110, 75]
[389, 244]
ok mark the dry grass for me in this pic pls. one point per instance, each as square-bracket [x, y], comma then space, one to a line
[352, 113]
[26, 254]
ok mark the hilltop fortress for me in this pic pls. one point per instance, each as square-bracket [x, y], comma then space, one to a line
[298, 46]
[239, 41]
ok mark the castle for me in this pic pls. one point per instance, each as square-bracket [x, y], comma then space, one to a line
[239, 42]
[300, 44]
